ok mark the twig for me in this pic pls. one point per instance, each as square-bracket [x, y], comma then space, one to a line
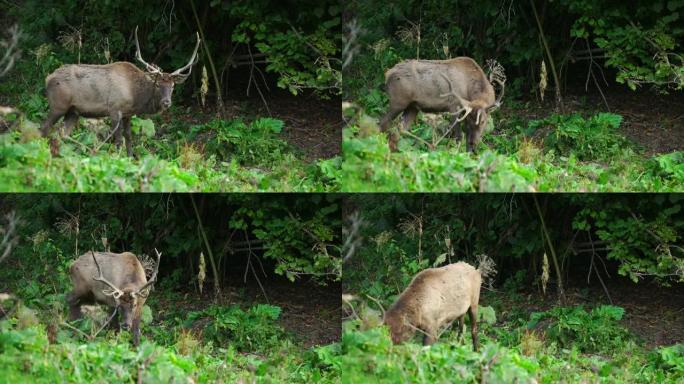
[378, 303]
[591, 266]
[561, 293]
[353, 239]
[85, 147]
[105, 324]
[118, 123]
[85, 335]
[217, 287]
[591, 73]
[142, 366]
[559, 100]
[249, 265]
[256, 85]
[9, 238]
[205, 48]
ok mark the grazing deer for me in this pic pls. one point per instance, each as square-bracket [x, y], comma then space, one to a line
[118, 90]
[458, 86]
[116, 280]
[436, 297]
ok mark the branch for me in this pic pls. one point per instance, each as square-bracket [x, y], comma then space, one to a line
[561, 293]
[217, 288]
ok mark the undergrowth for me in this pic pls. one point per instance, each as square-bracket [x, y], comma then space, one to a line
[220, 155]
[558, 153]
[41, 351]
[572, 345]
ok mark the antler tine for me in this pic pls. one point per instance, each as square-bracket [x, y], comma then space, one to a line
[150, 67]
[193, 61]
[497, 102]
[102, 278]
[154, 274]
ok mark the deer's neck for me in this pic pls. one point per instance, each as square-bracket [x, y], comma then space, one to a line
[148, 97]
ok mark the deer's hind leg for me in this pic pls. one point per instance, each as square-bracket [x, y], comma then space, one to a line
[472, 314]
[52, 118]
[70, 121]
[128, 136]
[393, 112]
[409, 117]
[460, 323]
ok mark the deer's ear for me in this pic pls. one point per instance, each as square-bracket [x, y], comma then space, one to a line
[155, 76]
[179, 79]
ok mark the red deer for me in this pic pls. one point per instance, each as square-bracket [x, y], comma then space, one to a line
[118, 90]
[456, 85]
[116, 280]
[436, 297]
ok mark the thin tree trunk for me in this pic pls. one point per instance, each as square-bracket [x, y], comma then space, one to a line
[205, 48]
[559, 100]
[561, 293]
[217, 288]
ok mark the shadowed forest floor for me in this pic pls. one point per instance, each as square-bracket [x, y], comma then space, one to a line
[652, 313]
[310, 312]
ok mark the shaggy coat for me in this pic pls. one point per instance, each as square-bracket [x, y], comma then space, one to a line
[436, 297]
[118, 90]
[124, 271]
[439, 86]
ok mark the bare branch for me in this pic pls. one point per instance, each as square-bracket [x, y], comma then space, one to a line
[11, 51]
[9, 236]
[353, 238]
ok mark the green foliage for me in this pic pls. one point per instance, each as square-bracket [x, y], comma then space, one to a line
[306, 59]
[591, 332]
[645, 244]
[301, 246]
[256, 144]
[222, 155]
[576, 154]
[640, 39]
[589, 140]
[142, 126]
[303, 57]
[370, 357]
[369, 166]
[27, 355]
[65, 226]
[669, 358]
[253, 329]
[646, 49]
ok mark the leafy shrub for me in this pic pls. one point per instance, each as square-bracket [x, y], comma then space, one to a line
[578, 154]
[26, 355]
[669, 358]
[254, 144]
[370, 357]
[250, 330]
[27, 165]
[594, 331]
[368, 166]
[301, 247]
[587, 139]
[303, 59]
[644, 245]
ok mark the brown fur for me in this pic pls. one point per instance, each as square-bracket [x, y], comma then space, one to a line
[436, 297]
[118, 90]
[421, 85]
[125, 271]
